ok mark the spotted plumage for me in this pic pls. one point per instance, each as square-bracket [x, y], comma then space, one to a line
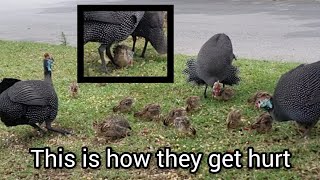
[213, 63]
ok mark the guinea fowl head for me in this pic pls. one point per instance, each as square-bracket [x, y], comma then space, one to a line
[216, 89]
[264, 103]
[6, 83]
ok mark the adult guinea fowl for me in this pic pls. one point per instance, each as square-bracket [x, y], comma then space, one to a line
[151, 28]
[296, 97]
[108, 27]
[214, 63]
[29, 102]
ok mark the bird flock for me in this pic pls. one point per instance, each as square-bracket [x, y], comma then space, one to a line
[296, 96]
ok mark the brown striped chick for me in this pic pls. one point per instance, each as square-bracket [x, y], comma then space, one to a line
[258, 95]
[74, 89]
[182, 124]
[234, 119]
[222, 93]
[150, 112]
[263, 123]
[124, 105]
[115, 127]
[193, 103]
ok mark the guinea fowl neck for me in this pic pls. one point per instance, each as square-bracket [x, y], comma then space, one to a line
[47, 77]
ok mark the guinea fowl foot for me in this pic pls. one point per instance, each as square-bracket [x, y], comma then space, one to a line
[61, 131]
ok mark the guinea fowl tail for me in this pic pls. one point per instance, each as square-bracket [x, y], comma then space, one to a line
[232, 77]
[191, 72]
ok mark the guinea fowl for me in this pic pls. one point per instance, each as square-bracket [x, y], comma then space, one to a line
[123, 56]
[124, 105]
[107, 27]
[178, 112]
[296, 97]
[213, 63]
[151, 28]
[74, 89]
[149, 112]
[29, 102]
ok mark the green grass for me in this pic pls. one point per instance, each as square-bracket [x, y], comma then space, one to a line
[24, 60]
[152, 65]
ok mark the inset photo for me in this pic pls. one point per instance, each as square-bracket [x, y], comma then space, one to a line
[125, 43]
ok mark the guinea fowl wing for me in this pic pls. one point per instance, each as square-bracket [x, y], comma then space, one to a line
[24, 93]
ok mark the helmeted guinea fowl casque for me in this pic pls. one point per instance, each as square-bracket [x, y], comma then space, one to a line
[151, 28]
[29, 102]
[296, 97]
[213, 64]
[107, 27]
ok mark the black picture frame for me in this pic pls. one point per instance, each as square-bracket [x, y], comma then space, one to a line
[126, 79]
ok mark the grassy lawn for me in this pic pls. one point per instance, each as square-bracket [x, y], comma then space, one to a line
[24, 60]
[152, 65]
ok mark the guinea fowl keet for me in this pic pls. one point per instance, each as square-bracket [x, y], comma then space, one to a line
[182, 124]
[233, 119]
[193, 103]
[149, 112]
[108, 27]
[74, 89]
[222, 93]
[151, 28]
[178, 112]
[263, 123]
[124, 105]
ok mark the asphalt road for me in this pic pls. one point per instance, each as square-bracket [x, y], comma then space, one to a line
[263, 29]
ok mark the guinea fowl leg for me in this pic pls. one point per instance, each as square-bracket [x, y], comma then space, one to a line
[134, 38]
[37, 128]
[102, 49]
[144, 48]
[205, 92]
[306, 129]
[48, 126]
[108, 52]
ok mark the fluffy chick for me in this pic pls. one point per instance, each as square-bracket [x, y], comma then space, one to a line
[74, 89]
[149, 112]
[258, 95]
[263, 123]
[193, 103]
[224, 93]
[124, 105]
[178, 112]
[114, 127]
[182, 124]
[234, 119]
[123, 56]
